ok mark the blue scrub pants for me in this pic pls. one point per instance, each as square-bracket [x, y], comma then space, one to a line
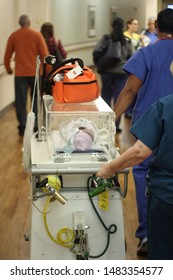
[160, 229]
[139, 174]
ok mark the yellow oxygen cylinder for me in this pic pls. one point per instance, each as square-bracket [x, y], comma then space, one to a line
[55, 183]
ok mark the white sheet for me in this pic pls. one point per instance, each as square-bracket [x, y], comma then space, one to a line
[59, 143]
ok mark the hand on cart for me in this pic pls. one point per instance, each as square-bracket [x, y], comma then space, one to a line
[105, 171]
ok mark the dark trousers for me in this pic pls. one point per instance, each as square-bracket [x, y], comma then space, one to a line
[139, 173]
[112, 84]
[22, 85]
[160, 229]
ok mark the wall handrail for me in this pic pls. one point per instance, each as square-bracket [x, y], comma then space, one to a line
[82, 45]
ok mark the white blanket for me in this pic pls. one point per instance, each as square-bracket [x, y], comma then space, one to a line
[59, 144]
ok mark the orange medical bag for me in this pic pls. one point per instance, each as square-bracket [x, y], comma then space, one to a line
[76, 87]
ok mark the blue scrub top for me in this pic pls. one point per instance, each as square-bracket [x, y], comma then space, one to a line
[152, 36]
[151, 64]
[155, 130]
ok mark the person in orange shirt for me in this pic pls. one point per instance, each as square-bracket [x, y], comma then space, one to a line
[27, 44]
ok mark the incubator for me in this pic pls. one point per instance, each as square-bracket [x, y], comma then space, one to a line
[75, 215]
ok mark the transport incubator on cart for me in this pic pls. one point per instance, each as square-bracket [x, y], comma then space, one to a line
[75, 215]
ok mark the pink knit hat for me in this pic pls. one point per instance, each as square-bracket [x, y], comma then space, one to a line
[82, 141]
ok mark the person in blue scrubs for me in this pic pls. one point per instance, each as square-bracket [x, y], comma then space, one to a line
[155, 139]
[151, 32]
[149, 79]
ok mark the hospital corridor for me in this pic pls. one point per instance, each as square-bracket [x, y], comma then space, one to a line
[61, 93]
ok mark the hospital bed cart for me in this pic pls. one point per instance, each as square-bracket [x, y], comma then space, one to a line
[75, 215]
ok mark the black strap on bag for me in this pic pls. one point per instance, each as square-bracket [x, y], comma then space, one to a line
[55, 66]
[70, 60]
[59, 65]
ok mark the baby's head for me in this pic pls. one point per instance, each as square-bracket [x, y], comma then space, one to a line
[83, 139]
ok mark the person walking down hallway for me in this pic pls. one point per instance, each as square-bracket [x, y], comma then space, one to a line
[155, 139]
[151, 32]
[27, 44]
[137, 41]
[55, 47]
[149, 79]
[113, 77]
[132, 33]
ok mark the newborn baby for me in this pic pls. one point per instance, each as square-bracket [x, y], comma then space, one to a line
[83, 139]
[80, 134]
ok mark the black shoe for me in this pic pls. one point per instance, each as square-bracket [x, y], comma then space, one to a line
[128, 116]
[21, 133]
[35, 129]
[118, 130]
[21, 130]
